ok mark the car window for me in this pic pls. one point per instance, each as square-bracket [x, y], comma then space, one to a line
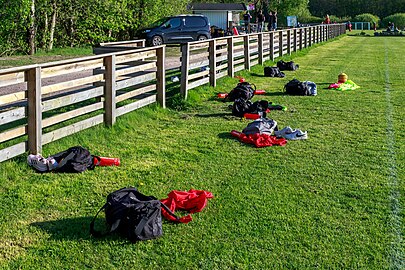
[195, 22]
[174, 22]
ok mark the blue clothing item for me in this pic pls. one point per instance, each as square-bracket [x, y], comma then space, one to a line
[274, 26]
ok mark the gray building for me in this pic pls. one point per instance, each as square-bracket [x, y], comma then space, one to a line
[219, 14]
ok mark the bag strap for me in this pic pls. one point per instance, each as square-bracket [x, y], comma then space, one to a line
[65, 160]
[169, 211]
[92, 230]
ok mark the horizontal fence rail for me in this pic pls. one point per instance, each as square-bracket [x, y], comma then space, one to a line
[53, 100]
[204, 62]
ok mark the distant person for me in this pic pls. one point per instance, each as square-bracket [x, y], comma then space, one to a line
[349, 25]
[246, 18]
[327, 19]
[374, 26]
[271, 21]
[260, 21]
[275, 20]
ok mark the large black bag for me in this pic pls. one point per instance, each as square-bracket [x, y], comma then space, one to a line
[241, 106]
[243, 90]
[273, 72]
[74, 160]
[287, 65]
[132, 214]
[297, 88]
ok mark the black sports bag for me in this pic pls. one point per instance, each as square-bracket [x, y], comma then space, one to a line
[132, 214]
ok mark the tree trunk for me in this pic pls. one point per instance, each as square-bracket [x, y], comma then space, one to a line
[45, 33]
[31, 29]
[53, 25]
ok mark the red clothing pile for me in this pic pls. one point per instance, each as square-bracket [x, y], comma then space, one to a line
[192, 201]
[259, 140]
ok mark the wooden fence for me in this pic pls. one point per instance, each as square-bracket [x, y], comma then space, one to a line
[204, 62]
[43, 103]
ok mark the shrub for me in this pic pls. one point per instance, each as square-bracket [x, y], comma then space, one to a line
[367, 17]
[398, 19]
[335, 19]
[310, 19]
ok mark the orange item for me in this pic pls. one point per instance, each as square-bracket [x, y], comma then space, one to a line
[222, 95]
[253, 116]
[106, 161]
[260, 92]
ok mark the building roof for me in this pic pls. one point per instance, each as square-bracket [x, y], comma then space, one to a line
[217, 6]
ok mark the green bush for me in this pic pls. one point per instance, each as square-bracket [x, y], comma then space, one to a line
[367, 17]
[310, 19]
[335, 19]
[398, 19]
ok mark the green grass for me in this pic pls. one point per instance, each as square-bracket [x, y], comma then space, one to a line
[44, 56]
[330, 202]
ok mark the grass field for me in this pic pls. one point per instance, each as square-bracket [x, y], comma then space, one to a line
[334, 201]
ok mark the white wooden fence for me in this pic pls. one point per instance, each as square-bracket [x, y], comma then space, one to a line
[43, 103]
[204, 62]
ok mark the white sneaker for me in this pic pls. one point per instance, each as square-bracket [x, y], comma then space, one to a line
[296, 135]
[38, 162]
[282, 132]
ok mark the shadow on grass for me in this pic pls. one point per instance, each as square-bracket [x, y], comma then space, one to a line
[225, 115]
[228, 136]
[71, 228]
[79, 228]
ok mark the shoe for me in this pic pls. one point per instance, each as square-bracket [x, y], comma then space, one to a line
[38, 162]
[282, 132]
[296, 135]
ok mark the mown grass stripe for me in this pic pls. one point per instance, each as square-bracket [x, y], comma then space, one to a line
[396, 252]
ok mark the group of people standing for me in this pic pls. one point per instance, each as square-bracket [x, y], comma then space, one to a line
[260, 20]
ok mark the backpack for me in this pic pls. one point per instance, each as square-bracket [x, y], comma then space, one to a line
[74, 160]
[297, 88]
[242, 90]
[287, 65]
[261, 126]
[312, 87]
[273, 72]
[240, 107]
[132, 214]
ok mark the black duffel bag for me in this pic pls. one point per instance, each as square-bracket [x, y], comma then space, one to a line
[132, 215]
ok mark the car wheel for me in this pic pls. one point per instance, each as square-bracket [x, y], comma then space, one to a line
[157, 40]
[202, 37]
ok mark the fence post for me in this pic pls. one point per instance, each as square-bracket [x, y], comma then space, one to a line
[310, 36]
[161, 76]
[260, 48]
[34, 110]
[271, 46]
[231, 70]
[184, 69]
[305, 30]
[247, 51]
[295, 39]
[327, 32]
[289, 41]
[109, 91]
[301, 30]
[280, 43]
[212, 62]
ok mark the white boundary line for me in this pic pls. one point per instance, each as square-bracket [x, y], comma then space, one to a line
[396, 252]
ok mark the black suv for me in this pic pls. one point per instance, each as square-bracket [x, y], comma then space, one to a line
[176, 29]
